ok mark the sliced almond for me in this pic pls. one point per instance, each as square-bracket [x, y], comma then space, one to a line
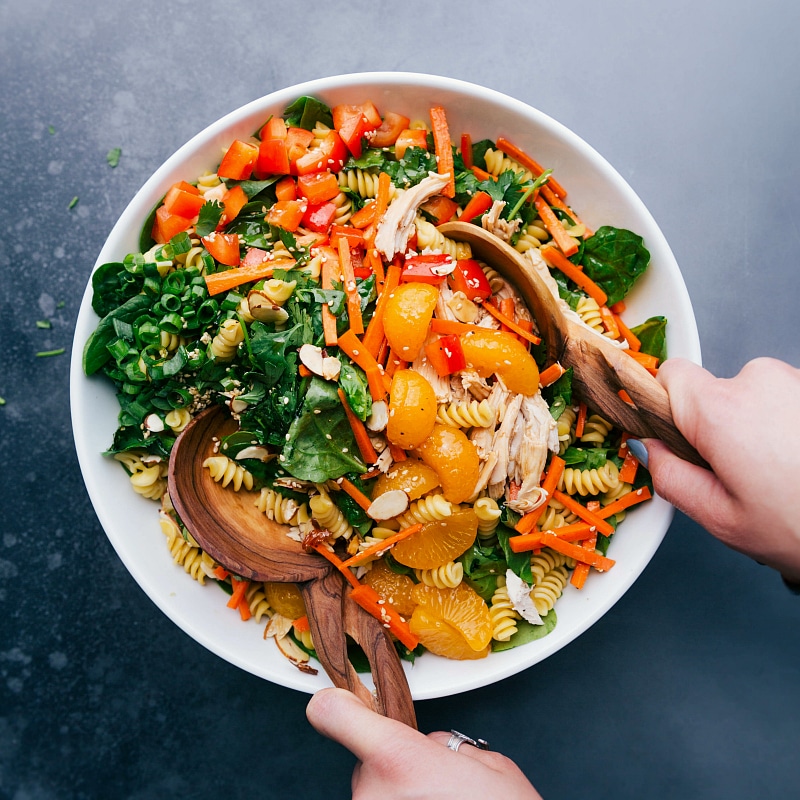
[264, 310]
[154, 423]
[388, 505]
[289, 649]
[312, 358]
[379, 416]
[237, 405]
[255, 451]
[278, 626]
[444, 269]
[463, 308]
[331, 367]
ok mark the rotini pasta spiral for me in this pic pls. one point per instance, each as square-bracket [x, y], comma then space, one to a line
[497, 162]
[329, 516]
[447, 576]
[344, 208]
[589, 481]
[429, 237]
[171, 341]
[278, 291]
[532, 236]
[496, 280]
[504, 617]
[595, 430]
[589, 312]
[257, 600]
[566, 428]
[545, 561]
[226, 471]
[426, 509]
[177, 419]
[467, 414]
[488, 513]
[208, 181]
[555, 516]
[363, 183]
[224, 345]
[545, 593]
[283, 510]
[185, 551]
[150, 482]
[304, 637]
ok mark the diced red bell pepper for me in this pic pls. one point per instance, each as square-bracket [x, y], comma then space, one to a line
[224, 247]
[183, 203]
[352, 126]
[238, 161]
[469, 278]
[319, 217]
[388, 131]
[410, 138]
[286, 189]
[167, 225]
[234, 200]
[287, 214]
[330, 155]
[318, 187]
[272, 158]
[274, 128]
[372, 114]
[360, 269]
[254, 257]
[298, 140]
[353, 235]
[426, 269]
[441, 208]
[446, 355]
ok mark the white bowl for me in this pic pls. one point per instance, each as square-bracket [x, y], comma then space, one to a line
[596, 191]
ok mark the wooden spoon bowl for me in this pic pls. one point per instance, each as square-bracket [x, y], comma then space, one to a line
[600, 369]
[230, 528]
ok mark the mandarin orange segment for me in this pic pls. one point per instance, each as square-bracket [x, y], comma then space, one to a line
[285, 598]
[413, 477]
[394, 588]
[441, 638]
[406, 317]
[439, 541]
[412, 409]
[454, 458]
[502, 354]
[462, 607]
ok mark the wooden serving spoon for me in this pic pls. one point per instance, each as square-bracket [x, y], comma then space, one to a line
[229, 527]
[600, 370]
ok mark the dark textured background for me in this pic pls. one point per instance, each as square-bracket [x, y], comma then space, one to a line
[689, 687]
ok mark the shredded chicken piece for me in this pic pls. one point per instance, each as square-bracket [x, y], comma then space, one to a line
[502, 228]
[475, 385]
[501, 444]
[397, 224]
[482, 437]
[443, 308]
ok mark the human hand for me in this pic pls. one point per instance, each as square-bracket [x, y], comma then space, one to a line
[747, 429]
[398, 762]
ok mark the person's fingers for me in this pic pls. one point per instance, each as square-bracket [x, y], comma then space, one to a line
[694, 490]
[341, 716]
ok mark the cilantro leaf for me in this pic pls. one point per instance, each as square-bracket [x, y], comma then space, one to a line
[210, 215]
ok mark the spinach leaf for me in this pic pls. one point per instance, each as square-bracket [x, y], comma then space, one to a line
[518, 563]
[305, 112]
[320, 444]
[614, 258]
[352, 511]
[112, 284]
[558, 395]
[585, 457]
[482, 567]
[95, 351]
[353, 381]
[652, 333]
[479, 152]
[526, 632]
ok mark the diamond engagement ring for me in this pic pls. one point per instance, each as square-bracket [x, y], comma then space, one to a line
[457, 739]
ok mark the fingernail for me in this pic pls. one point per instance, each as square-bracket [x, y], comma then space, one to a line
[638, 450]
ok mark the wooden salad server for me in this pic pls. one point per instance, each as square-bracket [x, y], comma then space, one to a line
[229, 527]
[600, 370]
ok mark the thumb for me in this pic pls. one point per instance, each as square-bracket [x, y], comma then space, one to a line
[341, 716]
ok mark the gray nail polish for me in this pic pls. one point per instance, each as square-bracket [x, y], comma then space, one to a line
[638, 450]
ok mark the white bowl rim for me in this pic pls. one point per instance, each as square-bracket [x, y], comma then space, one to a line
[83, 390]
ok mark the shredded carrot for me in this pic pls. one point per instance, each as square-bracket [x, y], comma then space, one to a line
[627, 472]
[445, 326]
[482, 174]
[627, 334]
[581, 554]
[583, 512]
[580, 421]
[350, 288]
[356, 493]
[328, 273]
[506, 307]
[382, 197]
[244, 609]
[239, 588]
[512, 151]
[561, 262]
[554, 200]
[466, 150]
[533, 541]
[337, 562]
[385, 613]
[581, 571]
[619, 307]
[303, 371]
[220, 573]
[365, 216]
[382, 546]
[650, 363]
[361, 436]
[225, 281]
[565, 242]
[374, 335]
[301, 624]
[623, 446]
[398, 454]
[350, 344]
[610, 322]
[551, 374]
[444, 149]
[510, 324]
[626, 501]
[394, 363]
[623, 395]
[373, 473]
[478, 203]
[549, 485]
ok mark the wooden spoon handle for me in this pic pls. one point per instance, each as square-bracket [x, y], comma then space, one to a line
[330, 616]
[601, 372]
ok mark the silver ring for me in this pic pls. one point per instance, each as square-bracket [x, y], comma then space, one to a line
[457, 739]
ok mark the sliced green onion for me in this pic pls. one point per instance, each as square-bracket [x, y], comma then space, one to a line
[171, 323]
[47, 353]
[43, 323]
